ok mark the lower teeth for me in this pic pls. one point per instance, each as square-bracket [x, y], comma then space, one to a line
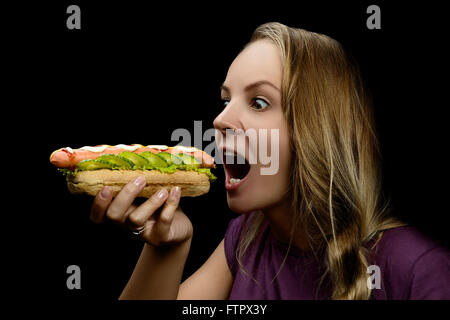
[233, 180]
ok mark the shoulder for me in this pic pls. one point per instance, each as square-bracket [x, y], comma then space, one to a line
[405, 244]
[412, 264]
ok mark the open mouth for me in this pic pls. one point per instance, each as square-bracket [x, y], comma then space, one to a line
[236, 167]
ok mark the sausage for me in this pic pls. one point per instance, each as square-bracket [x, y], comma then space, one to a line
[69, 158]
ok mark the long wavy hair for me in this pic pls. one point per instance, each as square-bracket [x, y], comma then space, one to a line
[335, 186]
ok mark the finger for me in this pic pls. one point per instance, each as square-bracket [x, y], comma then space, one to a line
[130, 209]
[139, 216]
[124, 199]
[146, 233]
[176, 232]
[162, 225]
[101, 203]
[127, 225]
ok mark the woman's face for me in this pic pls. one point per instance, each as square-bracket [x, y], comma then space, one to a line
[252, 100]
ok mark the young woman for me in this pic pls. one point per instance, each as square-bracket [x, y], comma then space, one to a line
[318, 228]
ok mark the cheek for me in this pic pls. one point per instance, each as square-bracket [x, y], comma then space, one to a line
[272, 188]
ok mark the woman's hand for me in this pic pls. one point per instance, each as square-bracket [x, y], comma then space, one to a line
[165, 226]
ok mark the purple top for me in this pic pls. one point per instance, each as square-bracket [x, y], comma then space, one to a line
[412, 266]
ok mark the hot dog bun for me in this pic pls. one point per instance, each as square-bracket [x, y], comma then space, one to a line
[192, 183]
[89, 169]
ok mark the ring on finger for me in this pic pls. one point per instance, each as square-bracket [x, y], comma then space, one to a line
[138, 231]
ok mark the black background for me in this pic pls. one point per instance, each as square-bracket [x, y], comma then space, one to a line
[135, 72]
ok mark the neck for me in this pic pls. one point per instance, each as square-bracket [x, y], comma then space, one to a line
[280, 219]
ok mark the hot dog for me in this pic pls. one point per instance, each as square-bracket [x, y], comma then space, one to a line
[89, 169]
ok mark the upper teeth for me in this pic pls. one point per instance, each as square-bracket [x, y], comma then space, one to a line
[233, 180]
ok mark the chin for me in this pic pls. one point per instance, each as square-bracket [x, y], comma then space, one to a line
[248, 198]
[240, 206]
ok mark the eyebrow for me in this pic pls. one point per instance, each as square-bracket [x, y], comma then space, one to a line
[253, 85]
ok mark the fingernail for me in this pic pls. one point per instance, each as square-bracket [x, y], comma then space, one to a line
[175, 192]
[161, 193]
[104, 194]
[139, 181]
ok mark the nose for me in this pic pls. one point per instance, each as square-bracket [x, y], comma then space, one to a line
[227, 119]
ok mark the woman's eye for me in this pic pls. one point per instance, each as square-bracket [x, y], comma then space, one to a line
[224, 103]
[259, 104]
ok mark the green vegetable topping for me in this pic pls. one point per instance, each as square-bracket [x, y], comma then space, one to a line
[170, 158]
[164, 162]
[117, 161]
[189, 160]
[139, 162]
[94, 165]
[153, 160]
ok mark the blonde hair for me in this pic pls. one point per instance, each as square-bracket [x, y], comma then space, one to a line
[335, 189]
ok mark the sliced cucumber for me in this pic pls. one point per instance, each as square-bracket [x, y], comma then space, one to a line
[118, 161]
[170, 158]
[138, 161]
[154, 160]
[189, 160]
[94, 165]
